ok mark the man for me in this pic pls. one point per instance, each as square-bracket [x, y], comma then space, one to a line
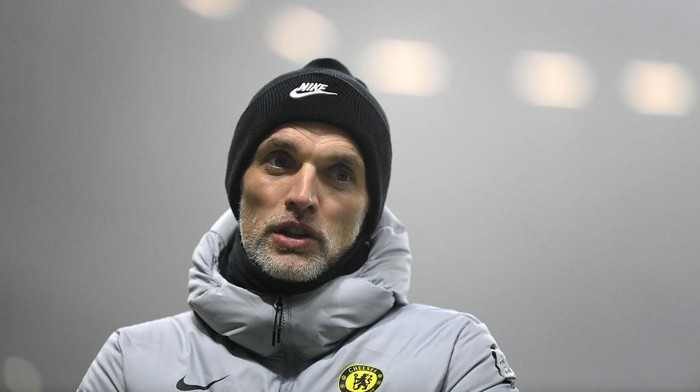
[308, 292]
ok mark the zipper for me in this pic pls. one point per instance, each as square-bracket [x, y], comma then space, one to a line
[288, 361]
[279, 320]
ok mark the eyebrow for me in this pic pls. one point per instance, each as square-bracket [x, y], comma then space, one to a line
[349, 160]
[280, 143]
[286, 144]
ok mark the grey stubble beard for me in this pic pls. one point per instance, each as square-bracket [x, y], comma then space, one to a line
[259, 249]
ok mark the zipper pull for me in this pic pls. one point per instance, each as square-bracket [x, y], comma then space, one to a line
[279, 317]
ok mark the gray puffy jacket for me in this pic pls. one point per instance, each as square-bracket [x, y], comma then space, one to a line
[355, 333]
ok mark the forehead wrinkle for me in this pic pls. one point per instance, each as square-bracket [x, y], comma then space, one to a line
[318, 133]
[298, 130]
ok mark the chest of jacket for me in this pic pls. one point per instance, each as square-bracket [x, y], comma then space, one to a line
[404, 351]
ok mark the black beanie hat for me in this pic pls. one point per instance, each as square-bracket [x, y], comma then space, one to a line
[322, 91]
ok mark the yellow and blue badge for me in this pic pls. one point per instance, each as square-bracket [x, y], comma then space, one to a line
[358, 377]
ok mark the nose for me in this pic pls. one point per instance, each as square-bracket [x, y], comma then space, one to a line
[302, 196]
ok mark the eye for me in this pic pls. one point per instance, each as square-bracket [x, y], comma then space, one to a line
[279, 159]
[343, 174]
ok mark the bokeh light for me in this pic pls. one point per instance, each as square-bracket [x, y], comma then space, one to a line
[300, 34]
[552, 79]
[213, 9]
[405, 67]
[21, 375]
[657, 88]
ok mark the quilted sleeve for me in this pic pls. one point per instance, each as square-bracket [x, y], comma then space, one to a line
[105, 373]
[477, 364]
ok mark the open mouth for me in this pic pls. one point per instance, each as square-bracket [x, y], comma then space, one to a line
[294, 232]
[294, 236]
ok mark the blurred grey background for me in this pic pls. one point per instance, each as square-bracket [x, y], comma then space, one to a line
[546, 159]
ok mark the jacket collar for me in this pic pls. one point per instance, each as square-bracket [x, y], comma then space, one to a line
[314, 322]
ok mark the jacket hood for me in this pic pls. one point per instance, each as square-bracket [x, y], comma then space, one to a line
[315, 321]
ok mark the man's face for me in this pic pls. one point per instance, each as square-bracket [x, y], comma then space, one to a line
[303, 200]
